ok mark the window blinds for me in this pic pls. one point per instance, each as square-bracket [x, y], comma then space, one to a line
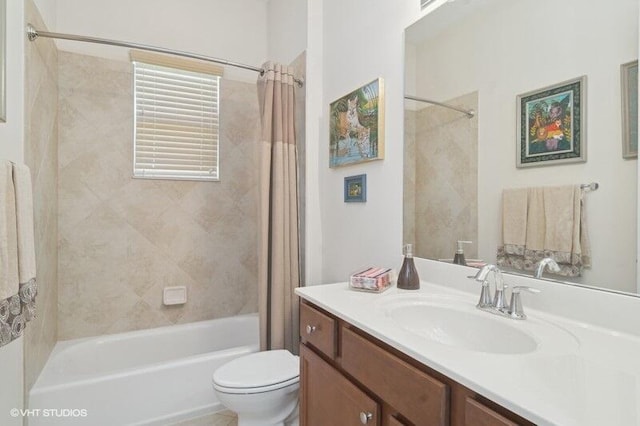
[176, 121]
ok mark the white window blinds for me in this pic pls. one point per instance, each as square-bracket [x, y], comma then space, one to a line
[176, 119]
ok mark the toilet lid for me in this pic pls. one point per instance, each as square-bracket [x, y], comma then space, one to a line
[258, 370]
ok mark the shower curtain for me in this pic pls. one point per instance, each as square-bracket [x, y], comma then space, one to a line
[278, 269]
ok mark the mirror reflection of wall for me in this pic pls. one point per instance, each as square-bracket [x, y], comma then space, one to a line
[441, 177]
[481, 55]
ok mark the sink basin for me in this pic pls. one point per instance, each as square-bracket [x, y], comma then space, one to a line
[469, 330]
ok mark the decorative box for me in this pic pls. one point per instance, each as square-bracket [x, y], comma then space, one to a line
[372, 279]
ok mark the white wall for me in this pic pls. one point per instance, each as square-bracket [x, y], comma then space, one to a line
[48, 10]
[11, 147]
[286, 29]
[315, 106]
[512, 57]
[363, 41]
[234, 30]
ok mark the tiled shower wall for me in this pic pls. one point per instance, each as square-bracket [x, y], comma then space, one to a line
[41, 155]
[441, 175]
[122, 240]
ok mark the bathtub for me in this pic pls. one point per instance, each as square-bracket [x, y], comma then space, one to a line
[148, 377]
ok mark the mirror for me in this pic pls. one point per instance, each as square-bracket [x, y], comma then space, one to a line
[481, 55]
[3, 60]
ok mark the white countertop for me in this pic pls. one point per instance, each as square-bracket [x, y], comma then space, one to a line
[591, 377]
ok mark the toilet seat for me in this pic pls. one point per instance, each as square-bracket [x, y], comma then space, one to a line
[253, 390]
[258, 372]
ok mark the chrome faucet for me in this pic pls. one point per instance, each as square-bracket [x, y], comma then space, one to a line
[548, 263]
[499, 301]
[498, 305]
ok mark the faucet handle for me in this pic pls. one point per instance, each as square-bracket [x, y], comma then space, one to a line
[515, 307]
[485, 295]
[499, 301]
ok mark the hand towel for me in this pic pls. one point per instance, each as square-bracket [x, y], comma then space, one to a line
[566, 239]
[585, 242]
[17, 251]
[536, 219]
[8, 234]
[563, 225]
[24, 220]
[514, 228]
[11, 320]
[556, 227]
[514, 214]
[25, 239]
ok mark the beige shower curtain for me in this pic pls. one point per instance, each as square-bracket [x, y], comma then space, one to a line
[278, 267]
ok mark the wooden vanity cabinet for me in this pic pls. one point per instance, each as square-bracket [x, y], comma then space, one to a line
[478, 414]
[349, 378]
[332, 399]
[318, 330]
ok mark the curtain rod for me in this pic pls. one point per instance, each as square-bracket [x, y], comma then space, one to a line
[469, 113]
[33, 34]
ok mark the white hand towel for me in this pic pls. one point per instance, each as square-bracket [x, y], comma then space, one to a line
[24, 220]
[536, 219]
[585, 242]
[514, 217]
[8, 235]
[562, 224]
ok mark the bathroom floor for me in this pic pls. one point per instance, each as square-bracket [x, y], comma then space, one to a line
[223, 418]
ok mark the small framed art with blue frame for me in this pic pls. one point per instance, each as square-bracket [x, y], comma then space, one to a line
[355, 189]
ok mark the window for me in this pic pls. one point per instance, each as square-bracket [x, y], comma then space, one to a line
[176, 118]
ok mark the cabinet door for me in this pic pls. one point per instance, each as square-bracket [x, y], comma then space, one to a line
[392, 421]
[421, 399]
[477, 414]
[327, 398]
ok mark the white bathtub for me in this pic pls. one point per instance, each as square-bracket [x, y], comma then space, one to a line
[147, 377]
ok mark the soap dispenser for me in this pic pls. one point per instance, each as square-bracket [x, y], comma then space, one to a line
[459, 256]
[408, 277]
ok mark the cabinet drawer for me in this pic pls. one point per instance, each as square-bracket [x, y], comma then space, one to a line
[420, 398]
[318, 330]
[330, 399]
[477, 414]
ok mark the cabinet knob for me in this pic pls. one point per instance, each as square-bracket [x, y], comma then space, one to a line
[365, 417]
[311, 329]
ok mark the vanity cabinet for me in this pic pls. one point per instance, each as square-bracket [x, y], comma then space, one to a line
[349, 378]
[333, 399]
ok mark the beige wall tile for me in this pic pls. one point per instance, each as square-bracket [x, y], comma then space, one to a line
[41, 155]
[443, 202]
[122, 240]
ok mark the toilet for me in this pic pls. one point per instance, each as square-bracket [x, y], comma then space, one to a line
[262, 388]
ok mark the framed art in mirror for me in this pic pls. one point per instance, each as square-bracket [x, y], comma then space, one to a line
[356, 132]
[551, 124]
[629, 80]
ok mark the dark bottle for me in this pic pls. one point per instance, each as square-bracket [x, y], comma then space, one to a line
[408, 277]
[458, 258]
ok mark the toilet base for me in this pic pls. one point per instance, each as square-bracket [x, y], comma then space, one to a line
[294, 418]
[266, 418]
[273, 408]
